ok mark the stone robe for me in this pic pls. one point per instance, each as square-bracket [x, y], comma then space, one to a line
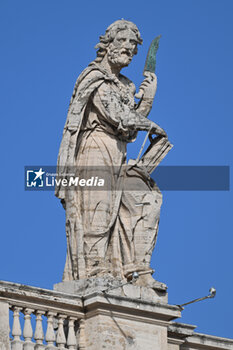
[110, 231]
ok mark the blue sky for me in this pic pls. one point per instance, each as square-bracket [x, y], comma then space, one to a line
[45, 46]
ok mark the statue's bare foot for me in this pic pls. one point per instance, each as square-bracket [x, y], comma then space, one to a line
[148, 281]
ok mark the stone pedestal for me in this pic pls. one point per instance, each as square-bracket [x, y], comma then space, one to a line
[122, 317]
[114, 322]
[111, 286]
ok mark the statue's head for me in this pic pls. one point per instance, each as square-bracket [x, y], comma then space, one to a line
[119, 43]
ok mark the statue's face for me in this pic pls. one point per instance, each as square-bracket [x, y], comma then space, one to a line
[122, 48]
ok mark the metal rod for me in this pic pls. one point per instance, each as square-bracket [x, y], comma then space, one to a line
[195, 300]
[211, 295]
[146, 137]
[121, 285]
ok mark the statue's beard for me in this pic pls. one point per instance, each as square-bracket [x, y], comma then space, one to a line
[120, 57]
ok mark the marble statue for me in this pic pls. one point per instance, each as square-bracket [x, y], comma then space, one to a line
[111, 232]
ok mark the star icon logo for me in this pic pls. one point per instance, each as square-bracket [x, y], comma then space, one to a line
[39, 174]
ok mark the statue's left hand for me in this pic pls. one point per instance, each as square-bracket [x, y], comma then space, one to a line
[148, 87]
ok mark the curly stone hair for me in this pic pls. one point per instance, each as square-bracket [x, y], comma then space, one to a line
[110, 34]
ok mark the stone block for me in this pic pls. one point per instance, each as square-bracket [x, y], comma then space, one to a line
[4, 326]
[116, 323]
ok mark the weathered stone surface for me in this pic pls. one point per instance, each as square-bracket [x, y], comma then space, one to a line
[4, 326]
[39, 298]
[114, 322]
[154, 294]
[207, 342]
[104, 332]
[111, 231]
[182, 337]
[110, 286]
[88, 286]
[132, 291]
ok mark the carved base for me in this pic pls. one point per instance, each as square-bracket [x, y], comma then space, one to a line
[111, 286]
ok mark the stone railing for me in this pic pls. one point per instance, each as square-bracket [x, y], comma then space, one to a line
[42, 319]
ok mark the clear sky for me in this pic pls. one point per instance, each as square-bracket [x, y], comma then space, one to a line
[44, 47]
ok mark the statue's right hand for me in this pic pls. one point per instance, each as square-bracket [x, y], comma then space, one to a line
[155, 129]
[148, 87]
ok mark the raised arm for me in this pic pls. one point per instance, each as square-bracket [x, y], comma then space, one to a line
[119, 114]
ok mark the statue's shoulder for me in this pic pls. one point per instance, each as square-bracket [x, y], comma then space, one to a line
[90, 73]
[126, 81]
[87, 80]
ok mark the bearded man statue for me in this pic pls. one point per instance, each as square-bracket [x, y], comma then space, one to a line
[109, 232]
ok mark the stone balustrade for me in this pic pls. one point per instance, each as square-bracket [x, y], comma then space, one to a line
[58, 318]
[54, 337]
[49, 320]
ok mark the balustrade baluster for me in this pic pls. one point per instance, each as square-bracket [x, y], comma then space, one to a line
[82, 339]
[27, 330]
[39, 333]
[61, 339]
[71, 339]
[50, 335]
[16, 343]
